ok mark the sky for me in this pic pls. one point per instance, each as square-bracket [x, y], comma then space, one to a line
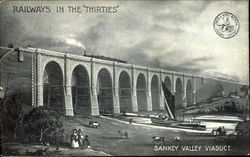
[173, 35]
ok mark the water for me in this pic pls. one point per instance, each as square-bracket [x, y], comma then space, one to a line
[219, 117]
[211, 122]
[216, 121]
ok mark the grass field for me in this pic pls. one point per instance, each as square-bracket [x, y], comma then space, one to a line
[139, 142]
[106, 140]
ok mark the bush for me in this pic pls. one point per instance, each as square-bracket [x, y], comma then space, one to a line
[243, 128]
[230, 107]
[43, 125]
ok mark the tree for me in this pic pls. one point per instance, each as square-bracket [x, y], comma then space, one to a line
[43, 125]
[13, 113]
[244, 90]
[242, 128]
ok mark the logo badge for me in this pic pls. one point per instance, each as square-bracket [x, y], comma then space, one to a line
[226, 25]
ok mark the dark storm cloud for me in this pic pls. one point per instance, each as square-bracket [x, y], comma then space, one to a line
[194, 66]
[11, 30]
[196, 61]
[167, 34]
[137, 53]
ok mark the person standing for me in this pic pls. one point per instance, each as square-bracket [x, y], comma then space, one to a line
[80, 138]
[74, 139]
[86, 142]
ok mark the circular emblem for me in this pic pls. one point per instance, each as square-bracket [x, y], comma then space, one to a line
[226, 25]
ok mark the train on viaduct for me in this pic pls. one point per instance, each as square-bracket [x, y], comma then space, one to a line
[77, 84]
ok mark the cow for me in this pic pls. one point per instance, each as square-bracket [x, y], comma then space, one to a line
[177, 140]
[159, 140]
[123, 134]
[94, 124]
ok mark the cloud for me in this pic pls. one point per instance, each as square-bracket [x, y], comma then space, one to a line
[176, 35]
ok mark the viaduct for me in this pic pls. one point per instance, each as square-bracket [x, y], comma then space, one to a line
[75, 84]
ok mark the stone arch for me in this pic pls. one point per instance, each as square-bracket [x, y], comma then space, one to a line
[189, 92]
[53, 90]
[104, 92]
[47, 60]
[125, 93]
[80, 91]
[155, 93]
[167, 83]
[141, 92]
[178, 94]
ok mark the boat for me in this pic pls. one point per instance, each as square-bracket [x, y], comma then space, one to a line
[177, 124]
[193, 125]
[160, 121]
[169, 117]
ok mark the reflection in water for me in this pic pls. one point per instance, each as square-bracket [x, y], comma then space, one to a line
[230, 127]
[220, 117]
[215, 121]
[229, 122]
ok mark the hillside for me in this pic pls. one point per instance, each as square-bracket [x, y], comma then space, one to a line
[219, 105]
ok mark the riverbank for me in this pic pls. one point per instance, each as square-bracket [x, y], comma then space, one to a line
[106, 140]
[218, 106]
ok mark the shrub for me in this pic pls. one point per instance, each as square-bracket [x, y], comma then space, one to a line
[43, 125]
[243, 128]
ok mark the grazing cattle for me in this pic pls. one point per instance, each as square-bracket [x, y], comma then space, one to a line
[160, 140]
[94, 124]
[177, 139]
[221, 131]
[123, 134]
